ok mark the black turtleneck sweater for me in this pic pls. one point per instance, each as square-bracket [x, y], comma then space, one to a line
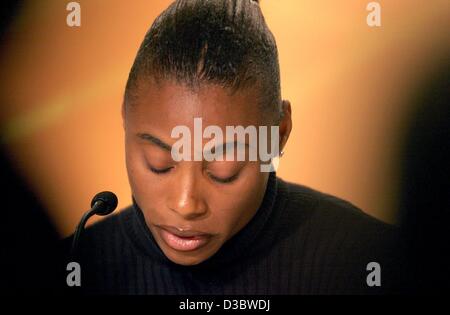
[300, 241]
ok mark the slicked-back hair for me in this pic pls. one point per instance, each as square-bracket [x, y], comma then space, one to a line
[223, 42]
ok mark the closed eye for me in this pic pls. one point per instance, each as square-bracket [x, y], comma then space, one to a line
[160, 171]
[224, 180]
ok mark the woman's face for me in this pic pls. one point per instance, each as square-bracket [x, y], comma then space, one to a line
[191, 207]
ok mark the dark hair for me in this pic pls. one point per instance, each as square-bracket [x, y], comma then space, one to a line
[225, 42]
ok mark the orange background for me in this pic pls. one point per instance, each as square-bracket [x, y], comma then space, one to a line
[350, 87]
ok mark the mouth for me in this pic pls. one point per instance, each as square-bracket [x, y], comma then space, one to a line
[183, 240]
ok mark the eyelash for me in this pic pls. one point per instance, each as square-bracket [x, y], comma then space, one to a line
[224, 180]
[160, 171]
[217, 179]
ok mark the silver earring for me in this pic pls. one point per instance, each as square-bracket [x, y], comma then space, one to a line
[281, 153]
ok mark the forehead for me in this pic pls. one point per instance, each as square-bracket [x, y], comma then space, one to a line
[167, 104]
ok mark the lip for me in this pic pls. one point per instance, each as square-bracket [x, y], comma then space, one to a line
[183, 240]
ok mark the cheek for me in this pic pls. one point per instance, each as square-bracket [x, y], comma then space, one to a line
[134, 169]
[146, 189]
[238, 206]
[235, 215]
[137, 170]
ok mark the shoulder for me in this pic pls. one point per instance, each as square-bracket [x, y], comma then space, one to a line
[110, 224]
[336, 239]
[106, 232]
[311, 208]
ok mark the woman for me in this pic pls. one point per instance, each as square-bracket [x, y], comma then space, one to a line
[223, 225]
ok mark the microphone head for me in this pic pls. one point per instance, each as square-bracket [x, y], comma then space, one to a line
[108, 202]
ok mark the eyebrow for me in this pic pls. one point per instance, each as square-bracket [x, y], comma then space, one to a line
[155, 140]
[167, 147]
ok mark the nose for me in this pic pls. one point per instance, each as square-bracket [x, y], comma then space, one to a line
[186, 197]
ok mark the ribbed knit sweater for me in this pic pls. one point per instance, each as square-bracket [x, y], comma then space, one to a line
[300, 241]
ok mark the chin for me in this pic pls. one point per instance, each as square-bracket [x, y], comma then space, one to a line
[185, 260]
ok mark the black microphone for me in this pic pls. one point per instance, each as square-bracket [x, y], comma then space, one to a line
[102, 204]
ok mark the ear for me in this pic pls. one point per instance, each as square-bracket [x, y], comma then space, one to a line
[285, 124]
